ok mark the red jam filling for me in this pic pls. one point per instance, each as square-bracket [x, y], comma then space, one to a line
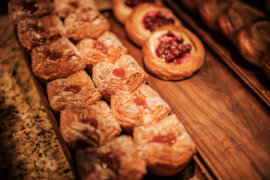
[73, 88]
[100, 46]
[134, 3]
[91, 121]
[140, 102]
[54, 55]
[110, 161]
[154, 20]
[119, 72]
[31, 6]
[168, 139]
[172, 49]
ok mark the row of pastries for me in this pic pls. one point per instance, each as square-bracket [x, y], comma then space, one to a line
[114, 121]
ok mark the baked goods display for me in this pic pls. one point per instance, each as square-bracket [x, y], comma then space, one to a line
[60, 54]
[173, 53]
[123, 8]
[165, 146]
[145, 19]
[143, 106]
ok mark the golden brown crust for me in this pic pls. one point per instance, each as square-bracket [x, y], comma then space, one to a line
[116, 160]
[143, 106]
[191, 5]
[172, 71]
[93, 125]
[85, 24]
[134, 26]
[107, 48]
[124, 74]
[165, 146]
[57, 59]
[74, 91]
[266, 61]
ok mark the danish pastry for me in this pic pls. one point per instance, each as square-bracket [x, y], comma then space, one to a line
[107, 48]
[145, 19]
[124, 74]
[123, 8]
[236, 17]
[74, 91]
[65, 7]
[85, 24]
[116, 160]
[143, 106]
[210, 10]
[173, 53]
[253, 41]
[57, 59]
[165, 146]
[92, 125]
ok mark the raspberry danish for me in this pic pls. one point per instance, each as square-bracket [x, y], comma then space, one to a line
[57, 59]
[116, 160]
[145, 19]
[107, 48]
[123, 8]
[124, 74]
[74, 91]
[143, 106]
[173, 53]
[92, 125]
[165, 146]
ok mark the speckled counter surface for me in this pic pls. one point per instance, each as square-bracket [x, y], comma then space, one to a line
[29, 148]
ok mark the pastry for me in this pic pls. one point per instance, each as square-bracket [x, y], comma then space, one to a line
[123, 8]
[93, 125]
[210, 10]
[173, 53]
[116, 160]
[107, 48]
[34, 32]
[85, 24]
[145, 19]
[143, 106]
[266, 61]
[191, 5]
[253, 41]
[165, 146]
[65, 7]
[124, 74]
[57, 59]
[74, 91]
[236, 17]
[20, 9]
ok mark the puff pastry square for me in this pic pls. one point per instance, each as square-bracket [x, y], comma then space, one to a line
[57, 59]
[165, 146]
[85, 24]
[143, 106]
[74, 91]
[116, 160]
[107, 48]
[92, 125]
[124, 74]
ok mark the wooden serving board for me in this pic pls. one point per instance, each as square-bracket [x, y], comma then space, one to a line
[252, 76]
[229, 125]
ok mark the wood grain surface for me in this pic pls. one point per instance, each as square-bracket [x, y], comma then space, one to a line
[229, 125]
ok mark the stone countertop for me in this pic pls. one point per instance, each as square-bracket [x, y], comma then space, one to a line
[29, 148]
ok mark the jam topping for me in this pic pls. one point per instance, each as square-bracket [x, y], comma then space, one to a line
[110, 161]
[171, 48]
[154, 20]
[73, 88]
[134, 3]
[119, 72]
[140, 102]
[74, 4]
[100, 46]
[168, 139]
[91, 121]
[54, 55]
[31, 6]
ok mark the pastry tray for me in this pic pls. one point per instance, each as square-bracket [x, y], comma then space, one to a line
[252, 76]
